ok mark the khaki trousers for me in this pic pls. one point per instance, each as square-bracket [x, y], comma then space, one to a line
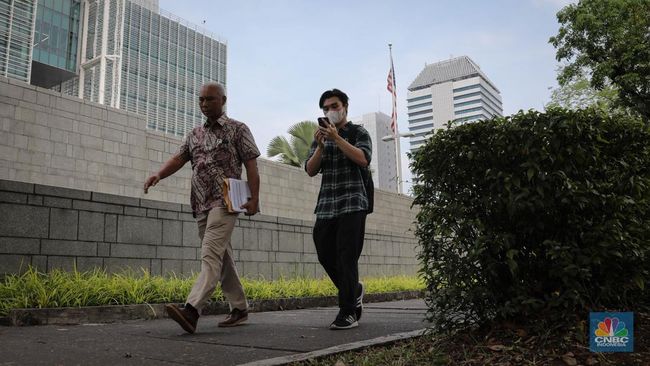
[217, 262]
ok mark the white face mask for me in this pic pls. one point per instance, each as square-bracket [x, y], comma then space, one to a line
[335, 116]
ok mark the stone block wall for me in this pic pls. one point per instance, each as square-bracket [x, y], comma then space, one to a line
[53, 139]
[72, 170]
[52, 227]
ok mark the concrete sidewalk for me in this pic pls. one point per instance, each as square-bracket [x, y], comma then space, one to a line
[266, 335]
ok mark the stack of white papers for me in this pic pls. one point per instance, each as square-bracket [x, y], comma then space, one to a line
[236, 193]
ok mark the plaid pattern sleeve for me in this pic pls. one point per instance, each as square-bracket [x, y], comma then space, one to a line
[342, 189]
[364, 142]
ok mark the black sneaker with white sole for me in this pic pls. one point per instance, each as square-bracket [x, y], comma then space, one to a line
[344, 321]
[359, 306]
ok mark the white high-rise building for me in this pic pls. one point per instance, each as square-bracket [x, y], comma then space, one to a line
[451, 90]
[382, 163]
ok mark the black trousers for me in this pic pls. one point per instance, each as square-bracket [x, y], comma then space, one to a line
[339, 242]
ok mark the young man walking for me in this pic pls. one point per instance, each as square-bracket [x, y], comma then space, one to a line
[341, 152]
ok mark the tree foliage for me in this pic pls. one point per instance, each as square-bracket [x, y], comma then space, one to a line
[611, 40]
[294, 151]
[578, 93]
[537, 212]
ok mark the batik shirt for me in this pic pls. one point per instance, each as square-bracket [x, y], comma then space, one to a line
[217, 151]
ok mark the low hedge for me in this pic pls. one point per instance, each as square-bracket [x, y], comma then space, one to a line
[536, 212]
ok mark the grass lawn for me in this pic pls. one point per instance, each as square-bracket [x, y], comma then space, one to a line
[33, 289]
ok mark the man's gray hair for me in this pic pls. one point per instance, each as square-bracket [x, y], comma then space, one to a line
[213, 84]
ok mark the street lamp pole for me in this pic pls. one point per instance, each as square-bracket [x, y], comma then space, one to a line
[399, 163]
[396, 138]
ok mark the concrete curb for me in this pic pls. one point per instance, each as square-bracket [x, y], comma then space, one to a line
[337, 349]
[116, 313]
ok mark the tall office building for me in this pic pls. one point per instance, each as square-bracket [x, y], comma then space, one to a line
[145, 60]
[128, 54]
[382, 164]
[451, 90]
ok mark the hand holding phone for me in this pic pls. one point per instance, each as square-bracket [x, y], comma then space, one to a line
[324, 122]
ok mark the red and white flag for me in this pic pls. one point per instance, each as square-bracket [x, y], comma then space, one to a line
[391, 88]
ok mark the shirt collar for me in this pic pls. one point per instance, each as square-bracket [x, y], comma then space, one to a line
[221, 121]
[346, 126]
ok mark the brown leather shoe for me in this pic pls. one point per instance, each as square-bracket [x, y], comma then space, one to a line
[236, 317]
[186, 316]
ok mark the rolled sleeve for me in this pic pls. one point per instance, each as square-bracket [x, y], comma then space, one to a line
[364, 143]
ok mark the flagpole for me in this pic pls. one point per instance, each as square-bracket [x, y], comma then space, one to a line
[398, 160]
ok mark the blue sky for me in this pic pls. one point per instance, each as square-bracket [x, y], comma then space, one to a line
[283, 54]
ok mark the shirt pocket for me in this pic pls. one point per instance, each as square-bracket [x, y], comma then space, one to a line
[220, 153]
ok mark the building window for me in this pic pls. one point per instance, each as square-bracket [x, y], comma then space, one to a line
[488, 99]
[467, 88]
[469, 110]
[427, 125]
[419, 98]
[467, 103]
[467, 95]
[472, 118]
[419, 105]
[430, 118]
[421, 112]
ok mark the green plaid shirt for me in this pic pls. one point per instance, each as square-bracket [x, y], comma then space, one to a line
[341, 189]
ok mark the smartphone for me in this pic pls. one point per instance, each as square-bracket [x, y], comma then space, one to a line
[323, 122]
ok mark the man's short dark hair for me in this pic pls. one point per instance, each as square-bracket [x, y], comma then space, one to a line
[333, 93]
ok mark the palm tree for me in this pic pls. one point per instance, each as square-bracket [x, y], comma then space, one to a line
[294, 152]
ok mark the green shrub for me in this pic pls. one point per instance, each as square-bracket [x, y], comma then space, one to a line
[537, 212]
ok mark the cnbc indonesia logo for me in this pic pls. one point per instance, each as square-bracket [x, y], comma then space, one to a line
[610, 334]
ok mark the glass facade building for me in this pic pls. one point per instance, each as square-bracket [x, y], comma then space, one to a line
[165, 62]
[56, 34]
[56, 42]
[144, 60]
[16, 38]
[128, 54]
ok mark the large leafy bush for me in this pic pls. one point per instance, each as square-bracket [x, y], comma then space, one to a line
[537, 212]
